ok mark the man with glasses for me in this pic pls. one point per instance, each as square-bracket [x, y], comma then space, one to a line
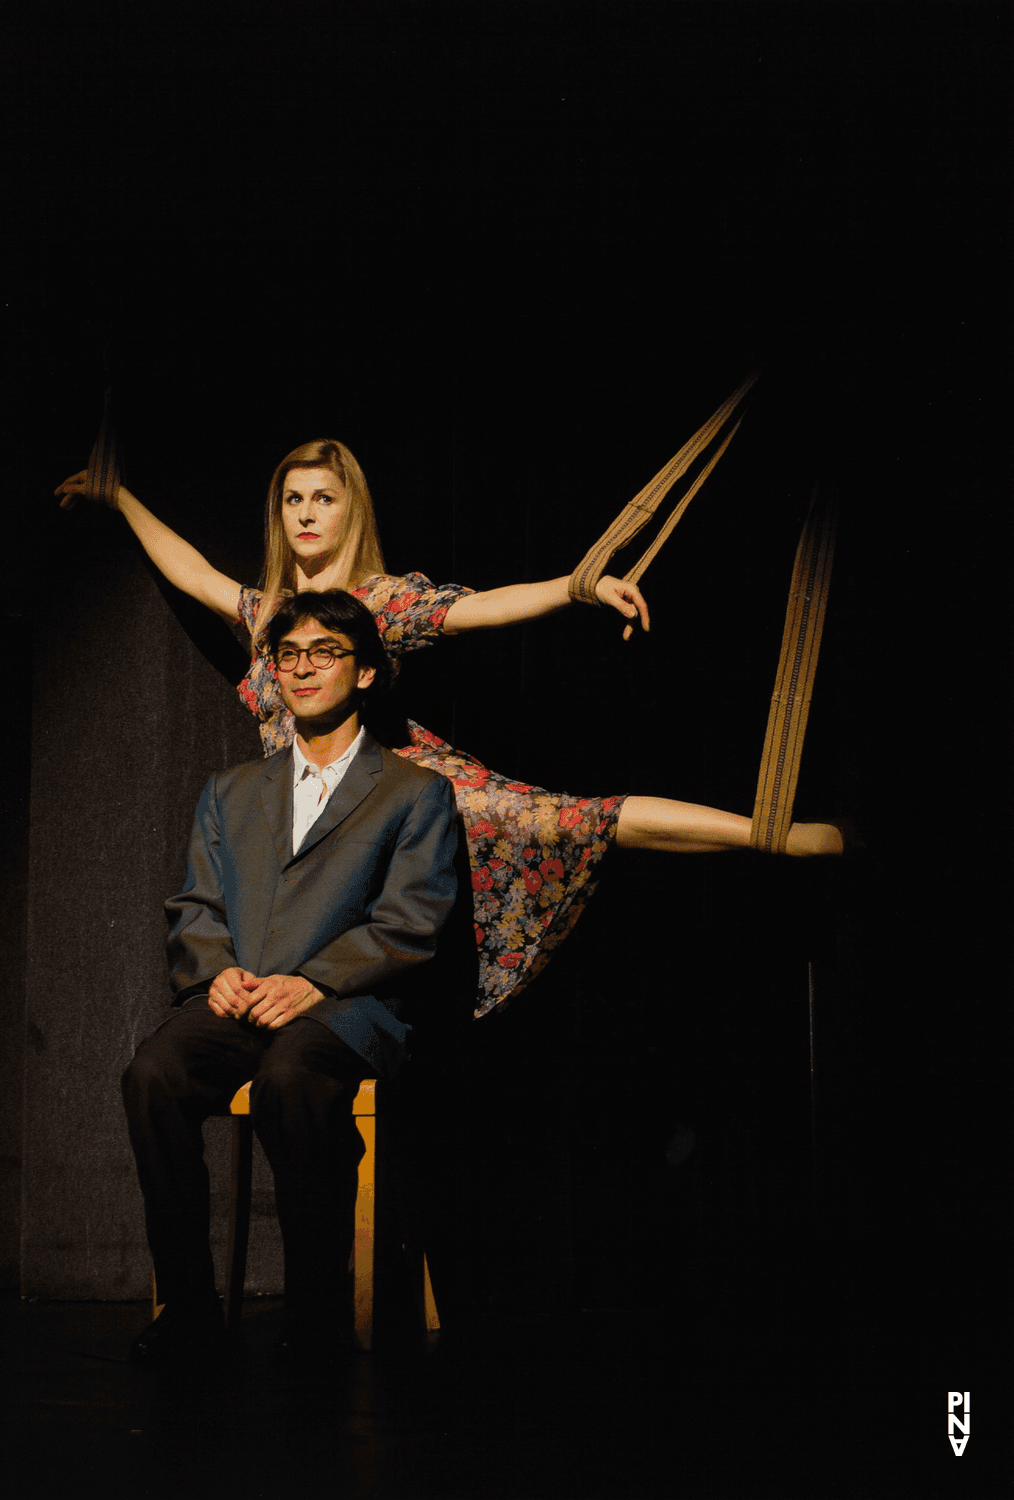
[317, 883]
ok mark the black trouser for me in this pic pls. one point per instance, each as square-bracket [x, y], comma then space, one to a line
[304, 1080]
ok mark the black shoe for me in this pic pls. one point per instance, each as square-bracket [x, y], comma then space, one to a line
[179, 1335]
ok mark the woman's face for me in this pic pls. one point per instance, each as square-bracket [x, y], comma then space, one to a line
[313, 512]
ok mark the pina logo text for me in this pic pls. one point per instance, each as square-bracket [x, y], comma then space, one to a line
[958, 1419]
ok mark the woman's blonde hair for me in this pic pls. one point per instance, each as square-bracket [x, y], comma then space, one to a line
[358, 556]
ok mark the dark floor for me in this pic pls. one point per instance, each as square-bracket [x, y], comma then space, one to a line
[719, 1396]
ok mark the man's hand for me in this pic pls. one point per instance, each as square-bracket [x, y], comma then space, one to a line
[280, 998]
[273, 1002]
[230, 993]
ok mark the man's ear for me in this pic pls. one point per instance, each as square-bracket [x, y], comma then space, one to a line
[366, 676]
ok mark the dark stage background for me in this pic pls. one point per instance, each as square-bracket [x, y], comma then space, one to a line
[514, 254]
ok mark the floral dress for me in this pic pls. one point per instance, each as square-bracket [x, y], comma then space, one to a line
[534, 855]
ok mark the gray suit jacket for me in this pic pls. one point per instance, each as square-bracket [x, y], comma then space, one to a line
[356, 911]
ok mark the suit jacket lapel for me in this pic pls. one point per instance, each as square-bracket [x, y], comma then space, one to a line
[355, 786]
[276, 800]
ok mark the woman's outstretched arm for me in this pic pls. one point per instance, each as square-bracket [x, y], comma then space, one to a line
[528, 601]
[688, 828]
[175, 559]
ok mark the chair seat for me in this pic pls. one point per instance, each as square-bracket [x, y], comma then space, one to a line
[364, 1103]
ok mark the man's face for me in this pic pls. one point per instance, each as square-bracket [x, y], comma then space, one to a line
[316, 692]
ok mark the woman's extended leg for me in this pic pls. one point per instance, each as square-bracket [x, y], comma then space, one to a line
[687, 828]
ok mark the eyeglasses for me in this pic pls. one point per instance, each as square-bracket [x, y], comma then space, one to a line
[287, 659]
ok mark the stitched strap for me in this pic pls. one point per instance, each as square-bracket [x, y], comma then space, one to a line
[640, 510]
[104, 464]
[797, 665]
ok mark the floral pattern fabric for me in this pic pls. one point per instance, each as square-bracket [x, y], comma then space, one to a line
[534, 854]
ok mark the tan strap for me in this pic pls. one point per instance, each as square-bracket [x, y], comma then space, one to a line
[797, 665]
[104, 465]
[635, 572]
[639, 511]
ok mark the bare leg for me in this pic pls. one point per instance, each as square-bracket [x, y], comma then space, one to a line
[688, 828]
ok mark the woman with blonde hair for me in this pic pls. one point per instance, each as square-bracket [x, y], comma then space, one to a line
[534, 854]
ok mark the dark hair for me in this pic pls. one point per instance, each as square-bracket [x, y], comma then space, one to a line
[339, 612]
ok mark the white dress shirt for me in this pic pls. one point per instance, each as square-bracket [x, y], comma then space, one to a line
[312, 787]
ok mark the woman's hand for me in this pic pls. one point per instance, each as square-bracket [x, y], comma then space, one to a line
[72, 490]
[627, 598]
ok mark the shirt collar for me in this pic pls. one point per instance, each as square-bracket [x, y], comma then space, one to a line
[300, 764]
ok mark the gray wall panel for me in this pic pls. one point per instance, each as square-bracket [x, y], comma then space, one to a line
[129, 719]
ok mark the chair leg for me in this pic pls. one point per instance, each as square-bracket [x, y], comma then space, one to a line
[401, 1274]
[362, 1254]
[417, 1271]
[240, 1182]
[431, 1316]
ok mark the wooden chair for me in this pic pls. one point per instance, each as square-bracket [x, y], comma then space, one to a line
[381, 1249]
